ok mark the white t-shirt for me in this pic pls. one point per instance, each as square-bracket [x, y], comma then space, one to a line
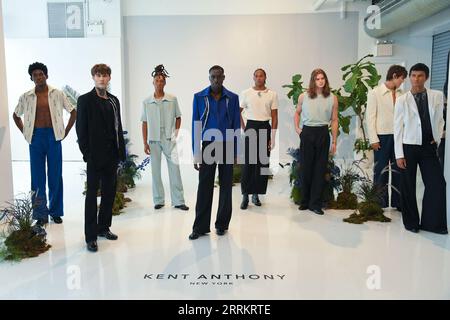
[258, 104]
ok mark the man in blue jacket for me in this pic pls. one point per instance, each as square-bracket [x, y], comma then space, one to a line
[215, 126]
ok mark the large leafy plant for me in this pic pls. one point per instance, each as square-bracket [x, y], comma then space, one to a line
[358, 78]
[296, 88]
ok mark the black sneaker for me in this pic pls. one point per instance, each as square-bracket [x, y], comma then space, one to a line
[255, 200]
[57, 220]
[317, 211]
[41, 222]
[92, 246]
[194, 235]
[108, 235]
[220, 232]
[182, 207]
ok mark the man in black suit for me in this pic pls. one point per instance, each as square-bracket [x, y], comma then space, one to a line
[100, 138]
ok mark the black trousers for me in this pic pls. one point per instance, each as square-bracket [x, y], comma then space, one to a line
[205, 193]
[255, 169]
[441, 152]
[107, 175]
[434, 213]
[314, 150]
[385, 159]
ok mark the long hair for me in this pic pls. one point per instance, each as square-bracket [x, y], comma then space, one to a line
[312, 90]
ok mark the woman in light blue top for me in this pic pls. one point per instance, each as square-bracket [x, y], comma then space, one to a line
[316, 110]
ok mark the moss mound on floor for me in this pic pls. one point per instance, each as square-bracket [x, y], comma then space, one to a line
[368, 211]
[22, 244]
[345, 201]
[119, 203]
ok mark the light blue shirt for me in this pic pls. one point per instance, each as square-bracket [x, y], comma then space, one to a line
[159, 115]
[317, 112]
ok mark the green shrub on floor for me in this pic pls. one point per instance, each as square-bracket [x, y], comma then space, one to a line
[346, 183]
[369, 209]
[119, 203]
[22, 240]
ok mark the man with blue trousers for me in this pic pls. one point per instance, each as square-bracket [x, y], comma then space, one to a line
[43, 128]
[215, 126]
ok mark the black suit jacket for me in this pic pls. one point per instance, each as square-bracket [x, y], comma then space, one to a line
[92, 130]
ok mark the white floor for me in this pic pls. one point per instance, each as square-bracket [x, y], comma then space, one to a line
[309, 256]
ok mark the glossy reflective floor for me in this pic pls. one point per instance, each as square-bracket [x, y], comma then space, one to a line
[271, 252]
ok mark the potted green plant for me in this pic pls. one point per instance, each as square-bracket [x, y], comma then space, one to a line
[331, 181]
[346, 183]
[369, 208]
[358, 78]
[128, 170]
[21, 238]
[296, 88]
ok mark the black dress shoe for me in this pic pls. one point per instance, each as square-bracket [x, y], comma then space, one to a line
[41, 222]
[438, 232]
[108, 235]
[303, 207]
[182, 207]
[159, 206]
[317, 211]
[92, 246]
[415, 230]
[255, 200]
[220, 232]
[194, 235]
[244, 203]
[56, 219]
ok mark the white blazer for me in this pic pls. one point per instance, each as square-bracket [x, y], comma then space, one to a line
[407, 125]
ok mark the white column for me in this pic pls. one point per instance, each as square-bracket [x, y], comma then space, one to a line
[447, 152]
[6, 183]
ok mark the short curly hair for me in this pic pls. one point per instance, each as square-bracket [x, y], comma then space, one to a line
[37, 66]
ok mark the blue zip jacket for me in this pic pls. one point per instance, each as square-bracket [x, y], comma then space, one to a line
[211, 114]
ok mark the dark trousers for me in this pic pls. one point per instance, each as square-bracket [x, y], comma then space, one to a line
[255, 171]
[441, 152]
[105, 177]
[205, 193]
[314, 150]
[434, 213]
[384, 159]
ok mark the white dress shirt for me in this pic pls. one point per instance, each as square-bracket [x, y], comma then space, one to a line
[407, 124]
[380, 111]
[57, 102]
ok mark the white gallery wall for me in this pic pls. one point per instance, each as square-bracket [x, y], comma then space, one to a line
[6, 185]
[283, 44]
[28, 18]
